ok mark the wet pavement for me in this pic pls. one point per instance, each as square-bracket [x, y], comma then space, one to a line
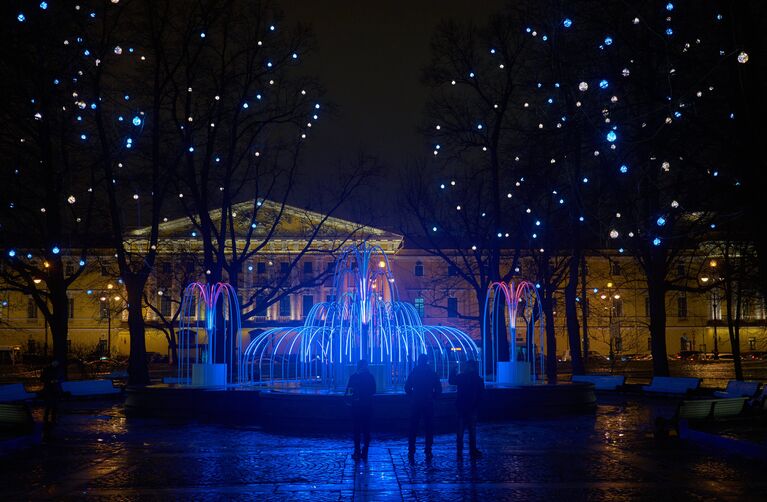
[98, 453]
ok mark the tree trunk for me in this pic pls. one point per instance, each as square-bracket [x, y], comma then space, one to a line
[656, 291]
[551, 339]
[138, 369]
[59, 325]
[571, 312]
[584, 312]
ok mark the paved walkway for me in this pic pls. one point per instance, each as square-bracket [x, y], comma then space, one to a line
[99, 454]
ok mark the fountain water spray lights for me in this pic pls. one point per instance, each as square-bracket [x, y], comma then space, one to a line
[519, 301]
[365, 320]
[209, 313]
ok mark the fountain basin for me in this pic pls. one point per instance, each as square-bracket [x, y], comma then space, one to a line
[311, 411]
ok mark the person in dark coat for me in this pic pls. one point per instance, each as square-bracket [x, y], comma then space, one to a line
[361, 388]
[470, 388]
[422, 386]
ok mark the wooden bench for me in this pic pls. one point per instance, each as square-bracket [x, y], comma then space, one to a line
[14, 392]
[88, 388]
[700, 411]
[737, 388]
[711, 409]
[15, 417]
[672, 385]
[601, 382]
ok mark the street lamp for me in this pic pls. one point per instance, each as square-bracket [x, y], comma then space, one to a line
[714, 302]
[107, 302]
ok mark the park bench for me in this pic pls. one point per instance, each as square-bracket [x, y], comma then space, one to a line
[701, 411]
[601, 382]
[88, 388]
[737, 388]
[14, 392]
[15, 417]
[711, 409]
[672, 385]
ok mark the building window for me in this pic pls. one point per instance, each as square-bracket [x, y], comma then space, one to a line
[419, 306]
[452, 270]
[615, 268]
[751, 343]
[307, 304]
[330, 298]
[647, 306]
[261, 306]
[261, 267]
[104, 271]
[190, 267]
[649, 344]
[452, 307]
[71, 308]
[618, 307]
[418, 271]
[715, 313]
[31, 309]
[308, 267]
[165, 267]
[285, 306]
[165, 306]
[681, 306]
[104, 309]
[284, 267]
[681, 271]
[69, 269]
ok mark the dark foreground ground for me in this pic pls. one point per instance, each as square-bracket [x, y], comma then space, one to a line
[98, 453]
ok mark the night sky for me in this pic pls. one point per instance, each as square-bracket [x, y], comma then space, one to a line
[370, 56]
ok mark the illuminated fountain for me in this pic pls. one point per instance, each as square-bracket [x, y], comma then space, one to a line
[293, 378]
[514, 312]
[366, 320]
[209, 338]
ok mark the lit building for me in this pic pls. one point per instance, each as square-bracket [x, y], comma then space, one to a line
[616, 298]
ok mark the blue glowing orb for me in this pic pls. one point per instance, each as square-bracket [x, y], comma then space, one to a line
[656, 241]
[136, 120]
[624, 169]
[603, 84]
[660, 221]
[611, 136]
[567, 22]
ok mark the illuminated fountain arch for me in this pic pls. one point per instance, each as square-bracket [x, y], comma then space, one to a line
[507, 305]
[366, 320]
[209, 341]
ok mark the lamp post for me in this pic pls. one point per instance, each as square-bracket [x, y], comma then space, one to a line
[105, 301]
[714, 302]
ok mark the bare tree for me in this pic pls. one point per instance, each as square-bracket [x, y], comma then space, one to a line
[47, 192]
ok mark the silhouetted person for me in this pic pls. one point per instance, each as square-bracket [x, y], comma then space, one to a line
[422, 386]
[361, 386]
[51, 394]
[470, 389]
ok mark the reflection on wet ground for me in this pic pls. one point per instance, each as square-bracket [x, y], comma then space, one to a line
[99, 453]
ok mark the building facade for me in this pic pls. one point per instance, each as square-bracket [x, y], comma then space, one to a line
[615, 295]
